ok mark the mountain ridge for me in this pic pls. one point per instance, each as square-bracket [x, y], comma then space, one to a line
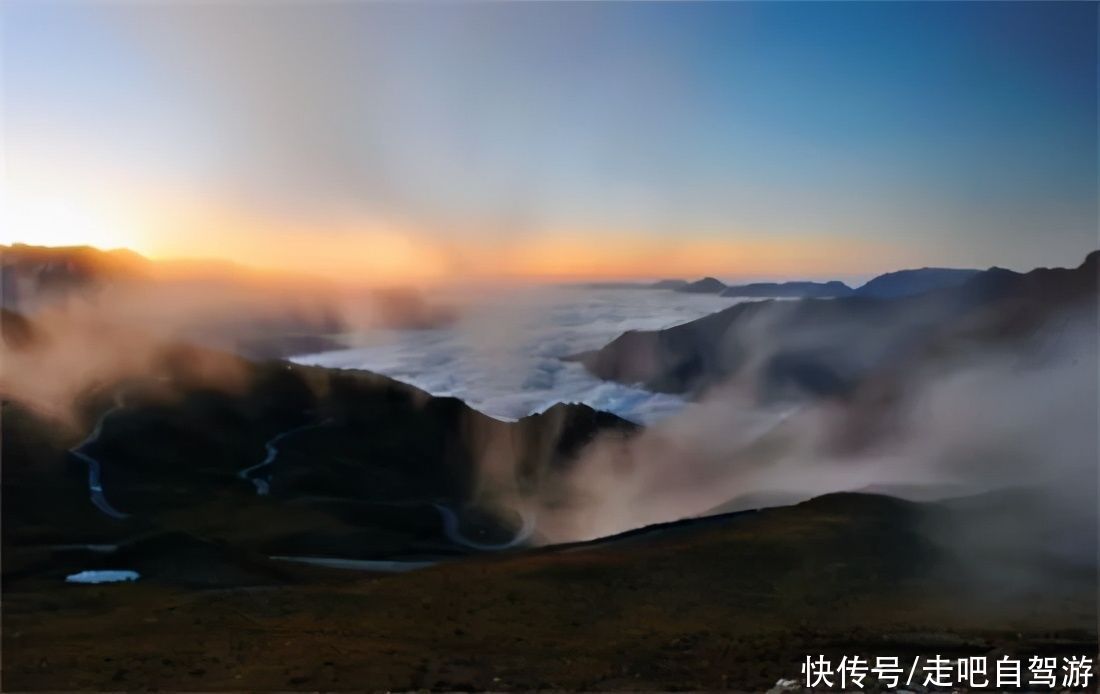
[824, 344]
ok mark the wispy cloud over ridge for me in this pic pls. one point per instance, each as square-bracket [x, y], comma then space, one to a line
[504, 356]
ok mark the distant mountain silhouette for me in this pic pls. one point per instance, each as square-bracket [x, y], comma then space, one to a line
[707, 285]
[36, 276]
[257, 314]
[825, 347]
[893, 285]
[783, 290]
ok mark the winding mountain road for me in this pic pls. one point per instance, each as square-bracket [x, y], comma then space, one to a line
[451, 528]
[451, 524]
[95, 482]
[263, 486]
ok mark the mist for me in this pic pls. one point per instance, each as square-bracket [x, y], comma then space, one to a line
[1017, 420]
[82, 318]
[992, 416]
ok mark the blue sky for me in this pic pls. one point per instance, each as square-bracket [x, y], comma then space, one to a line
[910, 133]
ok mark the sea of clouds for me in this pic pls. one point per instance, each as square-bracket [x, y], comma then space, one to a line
[503, 355]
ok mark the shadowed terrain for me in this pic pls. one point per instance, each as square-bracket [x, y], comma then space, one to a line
[729, 602]
[549, 346]
[365, 459]
[827, 347]
[231, 474]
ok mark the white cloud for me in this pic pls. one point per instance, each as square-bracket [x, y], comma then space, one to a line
[503, 356]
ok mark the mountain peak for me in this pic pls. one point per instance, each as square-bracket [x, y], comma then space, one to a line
[893, 285]
[707, 285]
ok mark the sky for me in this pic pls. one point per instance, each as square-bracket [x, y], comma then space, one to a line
[425, 141]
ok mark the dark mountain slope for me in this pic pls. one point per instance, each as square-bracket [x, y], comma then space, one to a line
[789, 290]
[824, 347]
[174, 443]
[893, 285]
[34, 276]
[707, 285]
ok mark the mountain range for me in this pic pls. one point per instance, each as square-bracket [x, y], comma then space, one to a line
[890, 285]
[218, 304]
[826, 346]
[240, 485]
[789, 289]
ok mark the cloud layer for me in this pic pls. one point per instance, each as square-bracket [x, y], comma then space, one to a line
[503, 357]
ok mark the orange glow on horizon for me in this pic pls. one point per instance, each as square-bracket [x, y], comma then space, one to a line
[377, 254]
[622, 256]
[176, 223]
[380, 259]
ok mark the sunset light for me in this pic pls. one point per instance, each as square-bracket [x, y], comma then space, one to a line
[511, 346]
[66, 221]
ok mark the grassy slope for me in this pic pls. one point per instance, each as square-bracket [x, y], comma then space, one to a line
[735, 602]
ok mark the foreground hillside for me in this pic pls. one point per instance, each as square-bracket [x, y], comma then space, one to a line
[734, 602]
